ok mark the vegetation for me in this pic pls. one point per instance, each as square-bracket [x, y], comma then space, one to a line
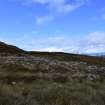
[36, 78]
[42, 92]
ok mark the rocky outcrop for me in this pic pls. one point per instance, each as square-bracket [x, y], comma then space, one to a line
[14, 61]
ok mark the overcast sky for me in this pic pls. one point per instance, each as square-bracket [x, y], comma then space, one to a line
[76, 26]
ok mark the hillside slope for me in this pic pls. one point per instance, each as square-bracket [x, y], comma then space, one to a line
[44, 78]
[5, 48]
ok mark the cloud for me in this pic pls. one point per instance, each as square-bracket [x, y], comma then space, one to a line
[102, 11]
[60, 43]
[95, 42]
[57, 6]
[54, 7]
[97, 37]
[60, 6]
[43, 19]
[103, 16]
[91, 43]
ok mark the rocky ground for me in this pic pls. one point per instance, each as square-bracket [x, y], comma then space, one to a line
[42, 78]
[44, 67]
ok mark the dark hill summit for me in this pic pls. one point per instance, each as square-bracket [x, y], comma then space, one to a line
[5, 48]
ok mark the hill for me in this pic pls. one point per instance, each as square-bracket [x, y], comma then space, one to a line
[50, 78]
[5, 48]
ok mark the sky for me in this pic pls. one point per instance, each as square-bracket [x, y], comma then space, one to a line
[74, 26]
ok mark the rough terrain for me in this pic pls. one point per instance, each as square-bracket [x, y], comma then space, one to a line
[44, 78]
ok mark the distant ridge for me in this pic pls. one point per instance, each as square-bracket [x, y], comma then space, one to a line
[5, 48]
[100, 54]
[61, 56]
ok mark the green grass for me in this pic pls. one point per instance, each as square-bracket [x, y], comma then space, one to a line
[53, 93]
